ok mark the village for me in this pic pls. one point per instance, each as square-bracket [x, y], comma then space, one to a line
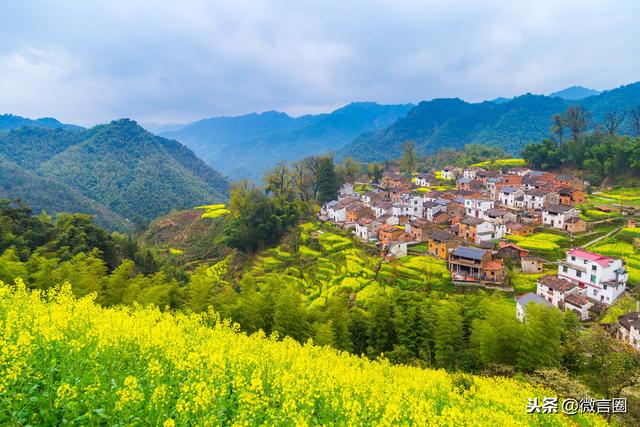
[468, 217]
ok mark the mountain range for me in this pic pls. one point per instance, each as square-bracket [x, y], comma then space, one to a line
[118, 171]
[509, 124]
[248, 145]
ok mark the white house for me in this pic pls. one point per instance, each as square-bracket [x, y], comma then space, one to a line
[347, 189]
[401, 209]
[397, 249]
[382, 208]
[529, 298]
[557, 291]
[508, 196]
[478, 207]
[471, 173]
[417, 209]
[448, 172]
[555, 215]
[487, 230]
[367, 229]
[629, 328]
[422, 180]
[603, 277]
[338, 212]
[430, 209]
[534, 199]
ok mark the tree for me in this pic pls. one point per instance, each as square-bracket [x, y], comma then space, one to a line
[448, 339]
[608, 362]
[612, 121]
[541, 337]
[634, 115]
[328, 184]
[496, 334]
[349, 170]
[409, 160]
[557, 128]
[374, 171]
[278, 181]
[577, 119]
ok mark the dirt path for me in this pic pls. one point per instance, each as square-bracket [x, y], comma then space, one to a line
[596, 240]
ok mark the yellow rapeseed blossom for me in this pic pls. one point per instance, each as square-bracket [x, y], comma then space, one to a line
[67, 359]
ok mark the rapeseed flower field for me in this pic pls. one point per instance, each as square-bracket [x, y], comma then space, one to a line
[69, 361]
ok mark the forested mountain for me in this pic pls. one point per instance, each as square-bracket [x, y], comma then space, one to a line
[245, 146]
[9, 122]
[575, 92]
[119, 172]
[452, 123]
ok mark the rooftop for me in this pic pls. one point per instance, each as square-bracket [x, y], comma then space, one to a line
[467, 252]
[590, 256]
[525, 299]
[556, 283]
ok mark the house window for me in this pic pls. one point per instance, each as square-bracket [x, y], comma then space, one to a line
[578, 273]
[604, 287]
[573, 258]
[564, 268]
[593, 280]
[594, 268]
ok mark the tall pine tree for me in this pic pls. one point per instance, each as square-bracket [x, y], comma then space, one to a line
[328, 183]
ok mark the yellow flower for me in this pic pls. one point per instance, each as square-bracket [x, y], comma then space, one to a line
[169, 423]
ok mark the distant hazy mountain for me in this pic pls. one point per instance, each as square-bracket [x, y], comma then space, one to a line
[501, 100]
[10, 122]
[452, 123]
[246, 146]
[118, 171]
[574, 93]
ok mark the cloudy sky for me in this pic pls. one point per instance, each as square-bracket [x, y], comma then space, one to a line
[162, 61]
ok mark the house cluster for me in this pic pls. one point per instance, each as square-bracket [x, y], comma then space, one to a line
[483, 207]
[586, 283]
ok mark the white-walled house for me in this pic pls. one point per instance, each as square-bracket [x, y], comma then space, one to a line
[534, 199]
[417, 209]
[382, 208]
[449, 172]
[629, 329]
[477, 208]
[401, 209]
[471, 173]
[422, 180]
[529, 298]
[367, 229]
[555, 216]
[346, 190]
[430, 209]
[508, 195]
[604, 278]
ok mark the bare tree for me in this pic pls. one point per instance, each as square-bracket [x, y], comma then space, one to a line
[612, 121]
[634, 115]
[577, 119]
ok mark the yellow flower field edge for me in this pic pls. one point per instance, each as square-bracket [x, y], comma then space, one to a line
[64, 360]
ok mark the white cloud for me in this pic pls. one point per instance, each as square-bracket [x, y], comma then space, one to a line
[89, 62]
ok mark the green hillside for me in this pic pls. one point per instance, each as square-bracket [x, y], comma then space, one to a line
[118, 171]
[510, 124]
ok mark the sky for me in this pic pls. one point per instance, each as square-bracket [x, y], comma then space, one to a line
[89, 62]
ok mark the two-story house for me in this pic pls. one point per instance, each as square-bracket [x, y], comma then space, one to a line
[466, 263]
[367, 229]
[440, 242]
[604, 278]
[430, 209]
[555, 215]
[508, 196]
[476, 207]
